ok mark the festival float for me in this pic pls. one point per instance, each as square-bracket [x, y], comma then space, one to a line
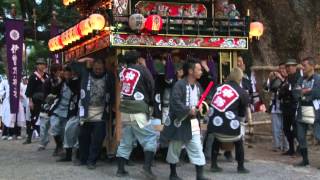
[166, 32]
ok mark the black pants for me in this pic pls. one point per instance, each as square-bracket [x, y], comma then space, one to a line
[11, 131]
[6, 131]
[17, 131]
[239, 151]
[31, 125]
[289, 126]
[91, 137]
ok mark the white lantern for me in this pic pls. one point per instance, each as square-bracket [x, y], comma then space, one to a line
[97, 21]
[136, 22]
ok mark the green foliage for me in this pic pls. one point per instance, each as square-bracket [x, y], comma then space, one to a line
[6, 5]
[38, 50]
[2, 69]
[24, 8]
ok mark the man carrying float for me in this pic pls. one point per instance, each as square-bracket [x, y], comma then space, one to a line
[230, 103]
[137, 89]
[182, 126]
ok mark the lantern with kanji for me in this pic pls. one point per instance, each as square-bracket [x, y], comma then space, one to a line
[69, 36]
[50, 44]
[55, 44]
[64, 39]
[85, 27]
[75, 36]
[136, 22]
[154, 23]
[256, 29]
[79, 30]
[97, 21]
[59, 39]
[72, 36]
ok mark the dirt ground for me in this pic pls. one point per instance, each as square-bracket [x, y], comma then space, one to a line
[19, 161]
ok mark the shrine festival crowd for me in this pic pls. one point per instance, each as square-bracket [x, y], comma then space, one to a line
[73, 104]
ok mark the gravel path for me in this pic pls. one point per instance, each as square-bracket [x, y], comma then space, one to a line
[19, 161]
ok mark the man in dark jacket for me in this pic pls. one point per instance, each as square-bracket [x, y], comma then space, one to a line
[273, 84]
[245, 84]
[36, 96]
[71, 129]
[51, 88]
[307, 94]
[97, 99]
[288, 104]
[137, 92]
[65, 106]
[182, 127]
[230, 103]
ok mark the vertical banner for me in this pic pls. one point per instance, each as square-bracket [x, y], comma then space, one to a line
[57, 57]
[14, 41]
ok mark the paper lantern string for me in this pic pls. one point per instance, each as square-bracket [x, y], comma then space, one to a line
[150, 64]
[170, 69]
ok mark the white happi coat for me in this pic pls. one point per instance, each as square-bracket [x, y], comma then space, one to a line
[8, 118]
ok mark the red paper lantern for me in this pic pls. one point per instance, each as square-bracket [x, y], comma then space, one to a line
[75, 33]
[79, 30]
[60, 41]
[64, 37]
[154, 23]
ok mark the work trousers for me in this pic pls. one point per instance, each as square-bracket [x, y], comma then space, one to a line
[239, 150]
[31, 125]
[58, 125]
[91, 137]
[44, 131]
[279, 140]
[71, 133]
[193, 147]
[289, 126]
[147, 137]
[302, 129]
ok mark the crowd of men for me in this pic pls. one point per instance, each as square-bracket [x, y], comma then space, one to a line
[294, 106]
[74, 103]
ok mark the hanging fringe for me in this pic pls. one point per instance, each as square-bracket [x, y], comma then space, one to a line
[212, 67]
[150, 64]
[170, 69]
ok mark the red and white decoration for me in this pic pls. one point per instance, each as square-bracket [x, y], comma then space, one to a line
[224, 98]
[154, 23]
[129, 78]
[167, 41]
